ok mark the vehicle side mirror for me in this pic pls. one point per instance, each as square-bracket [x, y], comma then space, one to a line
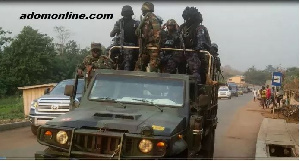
[47, 90]
[230, 88]
[69, 89]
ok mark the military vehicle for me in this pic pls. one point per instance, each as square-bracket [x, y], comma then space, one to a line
[136, 115]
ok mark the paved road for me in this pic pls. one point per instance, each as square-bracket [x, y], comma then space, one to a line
[22, 144]
[226, 111]
[239, 123]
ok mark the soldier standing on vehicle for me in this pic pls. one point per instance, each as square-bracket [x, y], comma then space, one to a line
[96, 60]
[149, 36]
[195, 36]
[124, 29]
[214, 51]
[171, 60]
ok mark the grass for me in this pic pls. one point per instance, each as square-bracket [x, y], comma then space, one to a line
[11, 108]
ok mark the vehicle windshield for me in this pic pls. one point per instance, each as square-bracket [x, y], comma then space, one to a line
[223, 89]
[59, 89]
[233, 88]
[138, 90]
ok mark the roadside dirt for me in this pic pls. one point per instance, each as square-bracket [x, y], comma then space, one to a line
[2, 122]
[268, 113]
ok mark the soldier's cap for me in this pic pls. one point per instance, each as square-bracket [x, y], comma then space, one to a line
[95, 46]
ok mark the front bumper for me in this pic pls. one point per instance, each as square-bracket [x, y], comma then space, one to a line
[38, 120]
[41, 155]
[84, 149]
[224, 96]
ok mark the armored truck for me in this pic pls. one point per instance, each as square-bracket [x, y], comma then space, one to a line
[135, 115]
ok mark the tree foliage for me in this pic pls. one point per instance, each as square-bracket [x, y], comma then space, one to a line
[258, 77]
[28, 60]
[31, 58]
[291, 79]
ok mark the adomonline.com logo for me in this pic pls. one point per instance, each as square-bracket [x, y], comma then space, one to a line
[68, 15]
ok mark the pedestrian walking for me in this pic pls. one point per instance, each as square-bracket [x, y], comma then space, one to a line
[254, 95]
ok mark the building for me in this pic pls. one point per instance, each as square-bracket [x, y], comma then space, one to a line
[239, 80]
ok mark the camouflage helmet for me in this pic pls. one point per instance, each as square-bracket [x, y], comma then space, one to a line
[127, 11]
[171, 22]
[148, 6]
[96, 46]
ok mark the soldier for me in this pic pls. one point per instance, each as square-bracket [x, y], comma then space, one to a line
[214, 51]
[149, 34]
[195, 36]
[96, 60]
[125, 31]
[171, 60]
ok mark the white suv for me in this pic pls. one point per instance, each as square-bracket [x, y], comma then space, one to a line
[224, 92]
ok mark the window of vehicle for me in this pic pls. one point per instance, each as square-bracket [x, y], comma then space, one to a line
[60, 87]
[223, 89]
[138, 90]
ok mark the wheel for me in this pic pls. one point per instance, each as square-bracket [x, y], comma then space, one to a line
[209, 145]
[34, 129]
[182, 156]
[229, 97]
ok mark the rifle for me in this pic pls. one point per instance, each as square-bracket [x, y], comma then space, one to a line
[87, 75]
[140, 41]
[121, 41]
[182, 41]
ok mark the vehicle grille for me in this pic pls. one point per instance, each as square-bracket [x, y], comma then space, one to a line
[57, 105]
[97, 144]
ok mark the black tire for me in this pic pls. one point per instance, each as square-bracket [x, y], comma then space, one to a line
[229, 97]
[181, 156]
[34, 129]
[208, 153]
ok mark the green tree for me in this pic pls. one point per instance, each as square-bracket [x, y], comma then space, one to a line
[254, 76]
[28, 60]
[4, 41]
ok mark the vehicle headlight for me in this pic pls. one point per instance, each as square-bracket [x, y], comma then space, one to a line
[62, 137]
[145, 146]
[34, 103]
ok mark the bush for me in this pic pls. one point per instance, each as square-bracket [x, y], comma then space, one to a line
[11, 108]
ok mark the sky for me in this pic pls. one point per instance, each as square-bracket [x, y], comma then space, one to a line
[247, 33]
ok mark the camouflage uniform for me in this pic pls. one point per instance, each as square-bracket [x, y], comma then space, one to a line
[149, 29]
[195, 37]
[99, 62]
[126, 59]
[171, 60]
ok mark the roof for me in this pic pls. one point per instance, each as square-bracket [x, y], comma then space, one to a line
[38, 86]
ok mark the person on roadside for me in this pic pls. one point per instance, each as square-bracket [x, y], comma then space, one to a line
[263, 97]
[254, 95]
[278, 97]
[268, 96]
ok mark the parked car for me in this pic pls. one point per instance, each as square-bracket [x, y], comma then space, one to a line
[224, 92]
[52, 104]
